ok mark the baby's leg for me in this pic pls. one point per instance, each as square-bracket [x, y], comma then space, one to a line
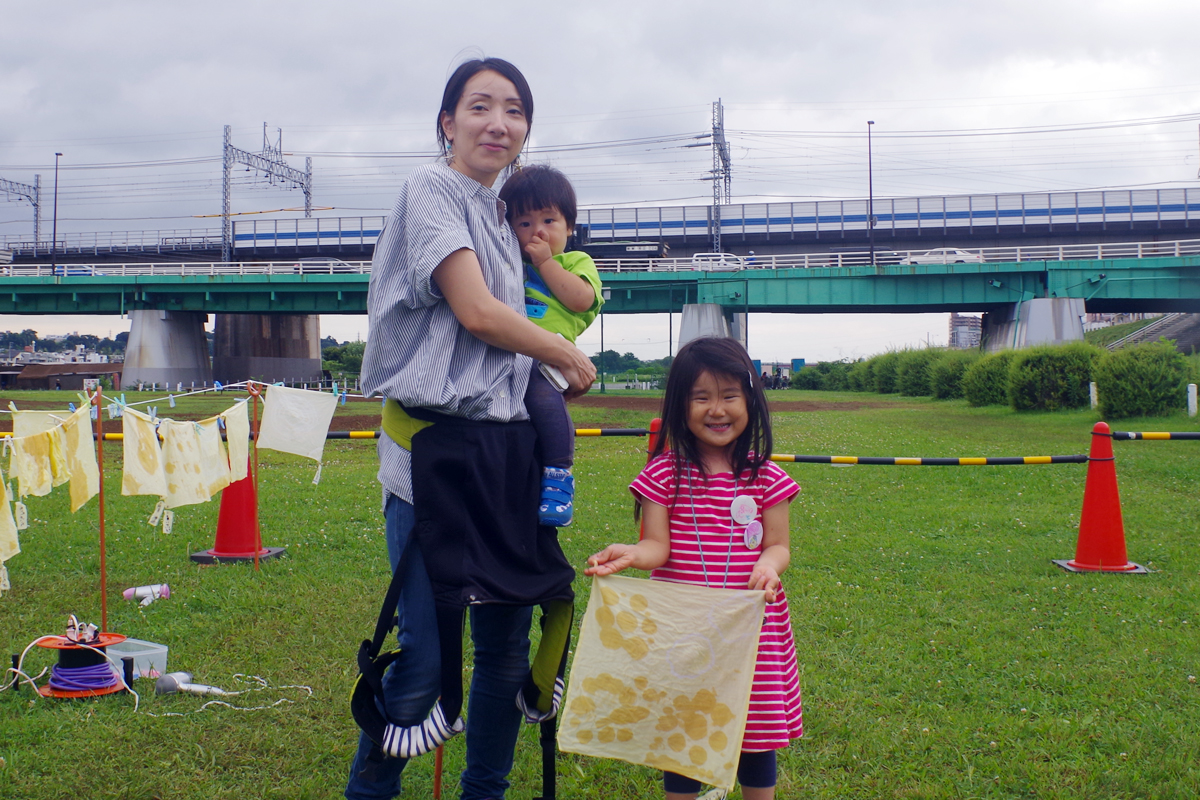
[679, 787]
[556, 439]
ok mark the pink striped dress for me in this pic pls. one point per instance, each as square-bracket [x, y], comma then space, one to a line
[775, 715]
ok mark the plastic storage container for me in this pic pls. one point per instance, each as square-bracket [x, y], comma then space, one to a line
[149, 659]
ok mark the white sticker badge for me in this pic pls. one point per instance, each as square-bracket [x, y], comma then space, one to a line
[743, 509]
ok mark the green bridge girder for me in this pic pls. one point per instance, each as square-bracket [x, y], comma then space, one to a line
[1149, 284]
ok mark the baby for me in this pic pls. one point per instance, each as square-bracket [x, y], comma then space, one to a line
[562, 294]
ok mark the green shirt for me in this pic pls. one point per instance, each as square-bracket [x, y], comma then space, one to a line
[542, 307]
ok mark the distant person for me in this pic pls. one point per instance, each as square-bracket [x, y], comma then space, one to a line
[562, 295]
[715, 447]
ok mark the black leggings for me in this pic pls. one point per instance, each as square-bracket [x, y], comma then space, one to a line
[756, 770]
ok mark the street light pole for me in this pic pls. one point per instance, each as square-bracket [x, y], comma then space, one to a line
[54, 228]
[870, 194]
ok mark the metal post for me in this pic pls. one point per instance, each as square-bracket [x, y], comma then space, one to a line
[601, 349]
[37, 210]
[54, 232]
[870, 194]
[226, 189]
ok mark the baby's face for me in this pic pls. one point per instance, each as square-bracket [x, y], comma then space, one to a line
[547, 224]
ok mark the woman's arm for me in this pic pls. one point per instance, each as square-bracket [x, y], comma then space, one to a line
[650, 553]
[776, 554]
[460, 280]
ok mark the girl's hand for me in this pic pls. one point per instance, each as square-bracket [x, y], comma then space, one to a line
[611, 560]
[764, 577]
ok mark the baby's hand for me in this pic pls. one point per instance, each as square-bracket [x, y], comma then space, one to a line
[610, 560]
[538, 249]
[766, 578]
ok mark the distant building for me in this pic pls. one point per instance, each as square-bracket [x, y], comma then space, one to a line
[965, 331]
[65, 375]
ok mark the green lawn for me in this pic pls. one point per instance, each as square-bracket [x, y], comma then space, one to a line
[942, 654]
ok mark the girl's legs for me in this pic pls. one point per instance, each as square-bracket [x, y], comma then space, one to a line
[756, 774]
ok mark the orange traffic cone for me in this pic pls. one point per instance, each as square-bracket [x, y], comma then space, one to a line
[1101, 545]
[237, 527]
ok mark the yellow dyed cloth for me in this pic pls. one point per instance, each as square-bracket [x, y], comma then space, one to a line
[662, 676]
[38, 463]
[9, 545]
[214, 465]
[143, 471]
[27, 423]
[79, 452]
[237, 435]
[296, 421]
[182, 452]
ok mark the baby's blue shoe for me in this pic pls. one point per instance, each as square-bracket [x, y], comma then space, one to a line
[558, 496]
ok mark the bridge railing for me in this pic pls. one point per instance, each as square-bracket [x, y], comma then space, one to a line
[187, 268]
[97, 242]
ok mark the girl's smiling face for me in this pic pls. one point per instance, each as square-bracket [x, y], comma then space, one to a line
[488, 128]
[717, 415]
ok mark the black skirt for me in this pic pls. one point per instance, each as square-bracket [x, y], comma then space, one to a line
[476, 488]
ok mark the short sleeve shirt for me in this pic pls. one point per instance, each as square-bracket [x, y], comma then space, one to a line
[546, 310]
[417, 351]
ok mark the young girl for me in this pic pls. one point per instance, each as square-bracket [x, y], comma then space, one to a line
[716, 514]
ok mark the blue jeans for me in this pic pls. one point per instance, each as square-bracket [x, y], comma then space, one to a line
[412, 685]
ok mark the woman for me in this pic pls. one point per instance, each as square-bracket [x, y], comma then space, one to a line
[450, 344]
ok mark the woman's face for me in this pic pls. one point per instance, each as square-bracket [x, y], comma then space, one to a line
[488, 128]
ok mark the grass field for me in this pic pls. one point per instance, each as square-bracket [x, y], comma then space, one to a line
[942, 654]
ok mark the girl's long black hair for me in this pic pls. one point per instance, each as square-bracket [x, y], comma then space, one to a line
[720, 357]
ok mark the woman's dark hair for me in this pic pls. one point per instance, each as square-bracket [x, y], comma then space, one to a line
[535, 187]
[469, 69]
[725, 358]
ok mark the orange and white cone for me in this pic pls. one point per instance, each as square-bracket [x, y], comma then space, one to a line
[237, 527]
[1101, 544]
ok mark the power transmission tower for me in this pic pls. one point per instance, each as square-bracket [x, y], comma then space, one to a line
[721, 172]
[31, 193]
[271, 164]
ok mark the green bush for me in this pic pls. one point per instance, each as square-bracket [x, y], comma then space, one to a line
[985, 383]
[861, 377]
[834, 375]
[914, 370]
[946, 377]
[807, 378]
[1052, 377]
[885, 365]
[1145, 380]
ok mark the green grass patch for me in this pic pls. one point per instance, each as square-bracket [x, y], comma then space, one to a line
[942, 654]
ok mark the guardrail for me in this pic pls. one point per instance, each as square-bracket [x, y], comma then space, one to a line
[187, 268]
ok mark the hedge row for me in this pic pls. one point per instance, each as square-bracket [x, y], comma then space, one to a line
[1144, 380]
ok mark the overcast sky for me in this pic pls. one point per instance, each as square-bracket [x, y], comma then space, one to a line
[135, 95]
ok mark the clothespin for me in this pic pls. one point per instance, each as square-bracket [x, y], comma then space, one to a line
[12, 406]
[71, 407]
[335, 391]
[217, 386]
[343, 398]
[171, 400]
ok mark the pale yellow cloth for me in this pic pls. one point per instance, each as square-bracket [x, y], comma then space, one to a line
[27, 423]
[182, 453]
[237, 436]
[143, 472]
[214, 464]
[296, 421]
[37, 462]
[79, 452]
[656, 680]
[9, 544]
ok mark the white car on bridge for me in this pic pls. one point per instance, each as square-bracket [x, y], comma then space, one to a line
[944, 255]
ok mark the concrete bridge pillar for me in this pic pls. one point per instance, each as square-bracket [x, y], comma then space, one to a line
[267, 347]
[1043, 320]
[166, 347]
[702, 319]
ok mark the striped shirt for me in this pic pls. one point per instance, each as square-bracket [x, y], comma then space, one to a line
[417, 351]
[707, 548]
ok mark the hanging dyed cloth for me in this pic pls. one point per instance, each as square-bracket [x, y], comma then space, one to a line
[662, 676]
[37, 462]
[214, 465]
[27, 423]
[143, 472]
[296, 421]
[181, 462]
[79, 452]
[237, 436]
[9, 545]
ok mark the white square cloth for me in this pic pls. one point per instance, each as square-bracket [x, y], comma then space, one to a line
[296, 421]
